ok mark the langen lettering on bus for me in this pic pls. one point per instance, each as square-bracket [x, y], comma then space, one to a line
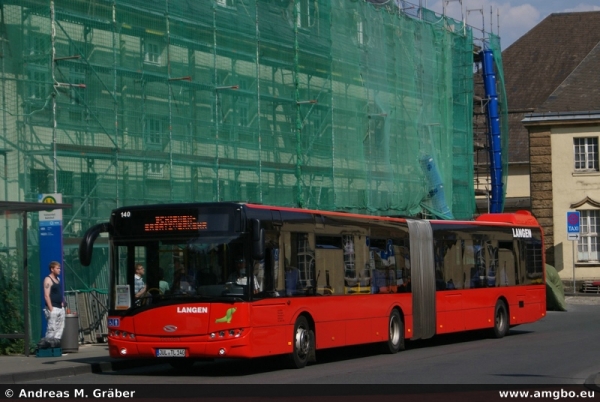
[193, 310]
[520, 232]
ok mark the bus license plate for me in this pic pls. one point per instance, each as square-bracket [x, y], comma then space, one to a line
[170, 352]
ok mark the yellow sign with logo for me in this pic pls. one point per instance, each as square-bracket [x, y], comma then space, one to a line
[50, 214]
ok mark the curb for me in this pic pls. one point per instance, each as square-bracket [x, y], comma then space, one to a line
[77, 369]
[593, 382]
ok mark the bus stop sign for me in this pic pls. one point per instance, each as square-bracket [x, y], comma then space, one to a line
[573, 225]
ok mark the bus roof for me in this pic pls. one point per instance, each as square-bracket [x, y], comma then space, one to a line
[524, 218]
[518, 218]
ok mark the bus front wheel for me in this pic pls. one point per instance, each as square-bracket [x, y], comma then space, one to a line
[302, 344]
[395, 342]
[500, 320]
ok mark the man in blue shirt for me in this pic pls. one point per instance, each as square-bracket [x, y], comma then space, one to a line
[139, 285]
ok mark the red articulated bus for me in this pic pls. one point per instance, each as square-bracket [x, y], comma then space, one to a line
[237, 280]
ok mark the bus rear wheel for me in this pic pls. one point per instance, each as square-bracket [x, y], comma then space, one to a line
[395, 342]
[500, 320]
[302, 344]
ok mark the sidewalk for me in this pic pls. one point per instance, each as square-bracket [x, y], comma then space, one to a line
[92, 358]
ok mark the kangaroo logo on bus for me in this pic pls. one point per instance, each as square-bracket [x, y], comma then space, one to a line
[520, 232]
[192, 310]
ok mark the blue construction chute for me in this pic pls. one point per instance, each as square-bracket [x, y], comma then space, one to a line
[493, 120]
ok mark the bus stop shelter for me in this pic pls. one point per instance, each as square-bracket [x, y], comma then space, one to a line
[23, 208]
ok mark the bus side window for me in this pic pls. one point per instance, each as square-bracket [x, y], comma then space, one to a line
[520, 261]
[506, 268]
[533, 260]
[478, 272]
[329, 264]
[297, 252]
[259, 274]
[303, 258]
[448, 262]
[267, 279]
[403, 277]
[468, 262]
[271, 265]
[491, 248]
[453, 272]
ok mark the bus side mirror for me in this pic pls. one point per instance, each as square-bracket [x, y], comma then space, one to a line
[87, 243]
[258, 240]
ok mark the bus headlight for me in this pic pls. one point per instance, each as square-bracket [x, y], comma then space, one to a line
[230, 333]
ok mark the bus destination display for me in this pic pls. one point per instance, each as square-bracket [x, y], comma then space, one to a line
[175, 223]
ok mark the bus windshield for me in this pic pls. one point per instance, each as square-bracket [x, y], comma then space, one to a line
[158, 271]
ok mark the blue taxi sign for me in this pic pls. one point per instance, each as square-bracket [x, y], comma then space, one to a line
[573, 228]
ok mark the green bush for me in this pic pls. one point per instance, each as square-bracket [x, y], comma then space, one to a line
[11, 307]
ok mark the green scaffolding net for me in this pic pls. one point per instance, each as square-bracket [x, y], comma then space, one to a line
[337, 105]
[325, 105]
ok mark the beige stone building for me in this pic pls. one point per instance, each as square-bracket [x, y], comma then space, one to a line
[565, 178]
[553, 89]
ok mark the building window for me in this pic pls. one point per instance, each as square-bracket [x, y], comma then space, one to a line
[38, 44]
[243, 115]
[77, 80]
[152, 52]
[587, 246]
[76, 116]
[586, 154]
[305, 11]
[225, 3]
[38, 82]
[360, 33]
[155, 169]
[315, 123]
[39, 181]
[242, 103]
[154, 130]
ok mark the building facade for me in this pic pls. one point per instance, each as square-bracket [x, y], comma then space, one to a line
[565, 177]
[553, 91]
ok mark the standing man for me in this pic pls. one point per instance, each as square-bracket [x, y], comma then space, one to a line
[139, 285]
[53, 295]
